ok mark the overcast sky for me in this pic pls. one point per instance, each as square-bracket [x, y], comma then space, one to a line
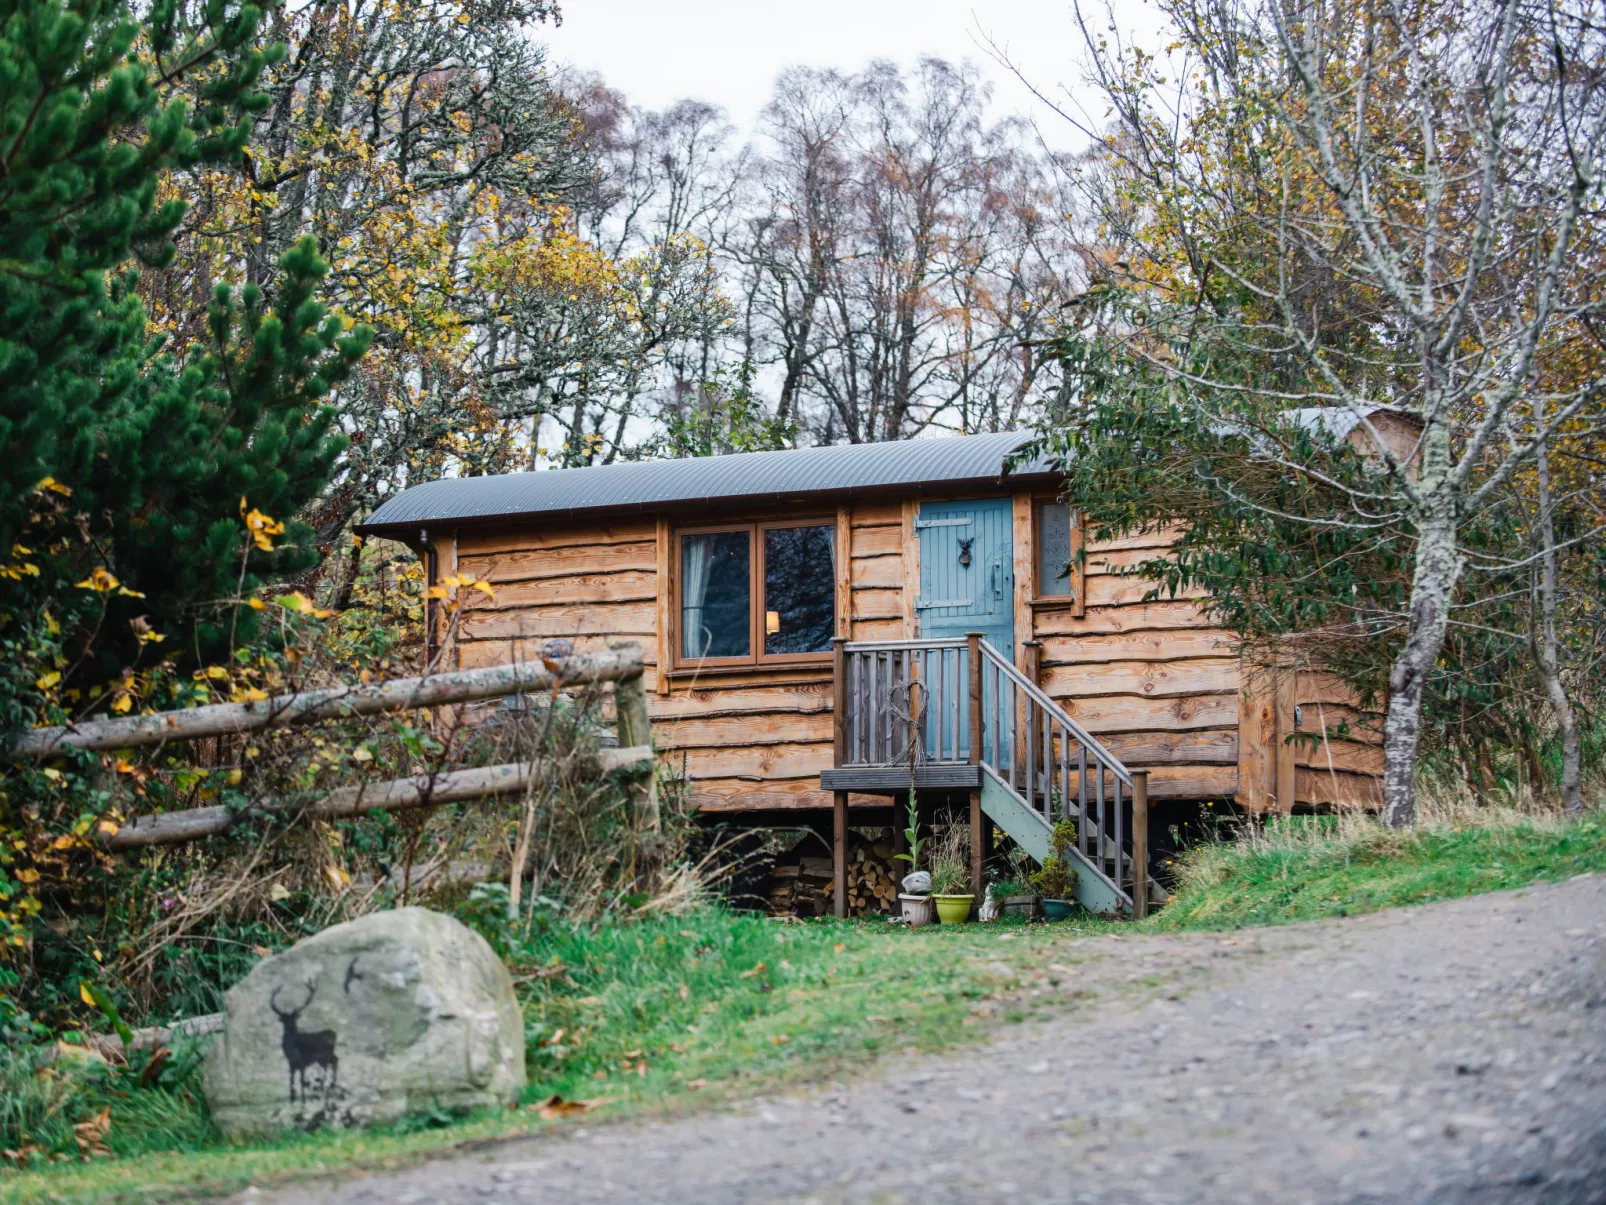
[730, 51]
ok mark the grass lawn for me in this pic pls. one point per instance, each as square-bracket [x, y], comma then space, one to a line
[673, 1013]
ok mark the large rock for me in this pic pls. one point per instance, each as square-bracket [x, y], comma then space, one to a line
[367, 1022]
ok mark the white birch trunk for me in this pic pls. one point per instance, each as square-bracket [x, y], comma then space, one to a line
[1437, 569]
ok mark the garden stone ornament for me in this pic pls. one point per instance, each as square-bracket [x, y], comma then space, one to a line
[366, 1022]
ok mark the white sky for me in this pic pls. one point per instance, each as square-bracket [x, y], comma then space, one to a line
[729, 52]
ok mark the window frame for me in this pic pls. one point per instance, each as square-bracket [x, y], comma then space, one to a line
[1073, 580]
[757, 657]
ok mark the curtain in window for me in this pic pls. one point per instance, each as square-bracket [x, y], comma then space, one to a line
[695, 557]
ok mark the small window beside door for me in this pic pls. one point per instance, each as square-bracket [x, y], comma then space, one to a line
[1055, 550]
[769, 587]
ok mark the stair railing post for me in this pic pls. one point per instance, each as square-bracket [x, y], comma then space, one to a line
[839, 699]
[973, 642]
[1140, 844]
[839, 853]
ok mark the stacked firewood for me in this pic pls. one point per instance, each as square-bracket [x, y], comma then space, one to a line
[802, 885]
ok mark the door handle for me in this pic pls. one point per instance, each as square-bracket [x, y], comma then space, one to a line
[997, 593]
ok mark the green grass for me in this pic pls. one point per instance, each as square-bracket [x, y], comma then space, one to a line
[1307, 868]
[653, 1014]
[665, 1014]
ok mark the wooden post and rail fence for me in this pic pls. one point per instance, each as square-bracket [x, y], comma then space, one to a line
[620, 665]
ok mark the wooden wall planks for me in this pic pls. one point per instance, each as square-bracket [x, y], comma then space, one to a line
[1153, 679]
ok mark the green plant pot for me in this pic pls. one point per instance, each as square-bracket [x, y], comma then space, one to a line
[1058, 909]
[953, 909]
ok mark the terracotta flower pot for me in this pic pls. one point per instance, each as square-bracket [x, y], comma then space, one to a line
[954, 909]
[917, 910]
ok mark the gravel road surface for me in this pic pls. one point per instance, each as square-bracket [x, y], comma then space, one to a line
[1450, 1053]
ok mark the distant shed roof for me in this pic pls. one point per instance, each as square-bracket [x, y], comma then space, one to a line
[837, 470]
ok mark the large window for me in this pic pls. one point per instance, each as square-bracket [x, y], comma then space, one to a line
[769, 587]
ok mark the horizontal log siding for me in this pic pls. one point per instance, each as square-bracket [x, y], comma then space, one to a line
[746, 740]
[1153, 680]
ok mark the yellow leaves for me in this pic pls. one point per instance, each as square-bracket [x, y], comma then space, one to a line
[52, 773]
[109, 827]
[361, 754]
[261, 527]
[84, 994]
[28, 877]
[216, 672]
[301, 604]
[256, 604]
[248, 694]
[453, 582]
[53, 486]
[122, 703]
[46, 681]
[101, 581]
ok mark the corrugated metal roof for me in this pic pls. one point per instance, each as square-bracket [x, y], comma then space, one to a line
[841, 469]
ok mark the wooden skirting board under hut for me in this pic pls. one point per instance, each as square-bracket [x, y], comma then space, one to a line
[824, 627]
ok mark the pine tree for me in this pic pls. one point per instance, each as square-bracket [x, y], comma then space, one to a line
[115, 451]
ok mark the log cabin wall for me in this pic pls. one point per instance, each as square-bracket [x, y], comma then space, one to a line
[1153, 680]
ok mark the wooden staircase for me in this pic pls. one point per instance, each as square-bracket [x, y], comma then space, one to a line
[955, 716]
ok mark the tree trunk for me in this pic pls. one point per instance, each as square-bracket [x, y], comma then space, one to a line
[1438, 566]
[1547, 649]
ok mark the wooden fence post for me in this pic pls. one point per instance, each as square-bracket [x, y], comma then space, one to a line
[1140, 844]
[973, 650]
[634, 723]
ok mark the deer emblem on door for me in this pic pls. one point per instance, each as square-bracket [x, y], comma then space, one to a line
[303, 1050]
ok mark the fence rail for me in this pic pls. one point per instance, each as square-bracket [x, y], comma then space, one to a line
[622, 664]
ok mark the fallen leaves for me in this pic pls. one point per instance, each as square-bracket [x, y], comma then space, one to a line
[90, 1135]
[555, 1108]
[758, 970]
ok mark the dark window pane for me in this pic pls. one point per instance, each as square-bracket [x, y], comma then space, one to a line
[716, 595]
[799, 589]
[1053, 548]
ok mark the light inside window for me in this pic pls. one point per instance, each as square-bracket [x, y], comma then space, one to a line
[716, 595]
[1053, 549]
[799, 589]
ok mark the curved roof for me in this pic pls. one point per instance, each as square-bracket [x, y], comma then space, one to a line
[840, 469]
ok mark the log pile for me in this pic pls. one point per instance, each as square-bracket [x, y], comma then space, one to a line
[801, 883]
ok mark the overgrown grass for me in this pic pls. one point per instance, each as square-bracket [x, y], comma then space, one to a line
[670, 1011]
[1310, 867]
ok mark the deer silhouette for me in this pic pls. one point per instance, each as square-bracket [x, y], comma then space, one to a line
[303, 1050]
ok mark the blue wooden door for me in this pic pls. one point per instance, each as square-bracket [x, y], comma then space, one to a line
[967, 582]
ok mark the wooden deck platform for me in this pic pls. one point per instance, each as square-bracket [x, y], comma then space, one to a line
[894, 780]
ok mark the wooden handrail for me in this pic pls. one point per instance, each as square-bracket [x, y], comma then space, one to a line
[1104, 757]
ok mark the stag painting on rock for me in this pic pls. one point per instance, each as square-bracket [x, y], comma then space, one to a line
[303, 1050]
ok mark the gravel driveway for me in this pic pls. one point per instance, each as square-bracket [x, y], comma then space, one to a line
[1454, 1052]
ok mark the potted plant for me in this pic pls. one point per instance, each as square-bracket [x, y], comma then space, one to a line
[1055, 881]
[916, 895]
[1014, 895]
[950, 876]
